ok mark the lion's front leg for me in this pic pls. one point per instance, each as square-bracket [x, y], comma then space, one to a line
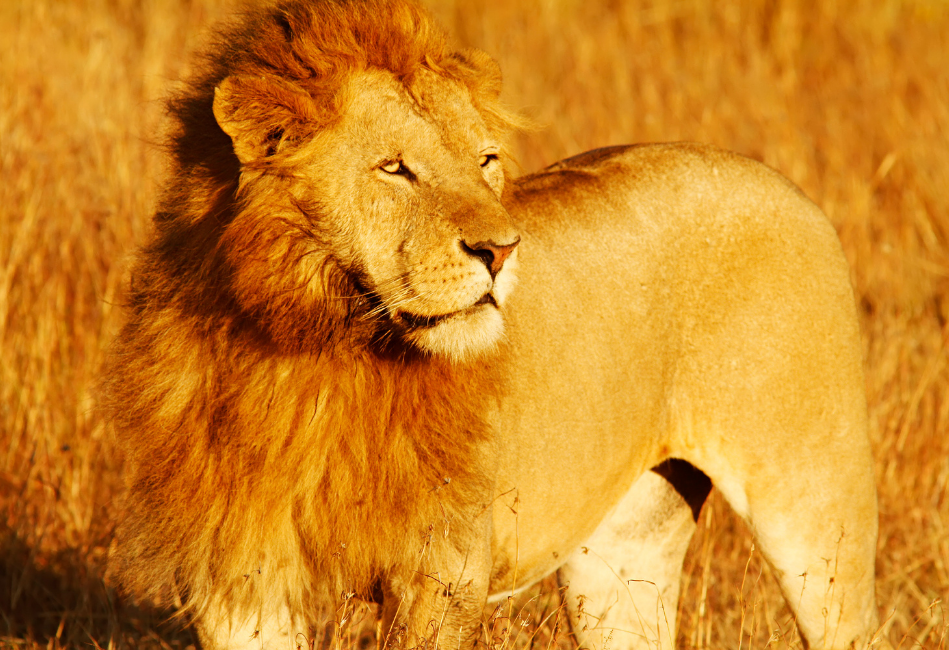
[439, 605]
[270, 627]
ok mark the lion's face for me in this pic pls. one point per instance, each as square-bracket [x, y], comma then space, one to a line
[405, 188]
[417, 186]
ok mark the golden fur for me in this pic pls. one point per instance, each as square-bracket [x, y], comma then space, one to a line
[326, 385]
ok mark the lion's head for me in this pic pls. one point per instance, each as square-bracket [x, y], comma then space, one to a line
[365, 196]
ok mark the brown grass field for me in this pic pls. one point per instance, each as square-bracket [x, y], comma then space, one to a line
[848, 98]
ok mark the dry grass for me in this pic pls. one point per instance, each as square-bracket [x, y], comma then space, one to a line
[849, 99]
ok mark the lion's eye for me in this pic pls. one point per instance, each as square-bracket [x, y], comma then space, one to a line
[398, 168]
[487, 159]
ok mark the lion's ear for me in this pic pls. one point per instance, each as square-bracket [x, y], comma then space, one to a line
[484, 68]
[260, 113]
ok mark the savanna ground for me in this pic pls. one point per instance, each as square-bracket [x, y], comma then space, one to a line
[849, 99]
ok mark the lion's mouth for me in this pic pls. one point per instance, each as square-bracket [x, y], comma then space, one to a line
[414, 321]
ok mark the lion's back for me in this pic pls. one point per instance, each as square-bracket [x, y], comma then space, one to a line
[684, 216]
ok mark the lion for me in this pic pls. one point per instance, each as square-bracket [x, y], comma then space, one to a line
[362, 359]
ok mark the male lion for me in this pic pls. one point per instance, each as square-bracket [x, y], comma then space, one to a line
[328, 384]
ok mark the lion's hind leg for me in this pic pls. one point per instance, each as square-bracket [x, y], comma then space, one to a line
[813, 514]
[624, 581]
[817, 526]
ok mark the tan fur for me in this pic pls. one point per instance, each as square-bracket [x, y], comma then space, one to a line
[329, 384]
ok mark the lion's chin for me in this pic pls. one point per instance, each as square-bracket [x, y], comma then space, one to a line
[462, 336]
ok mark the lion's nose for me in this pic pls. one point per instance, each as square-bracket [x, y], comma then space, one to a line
[493, 255]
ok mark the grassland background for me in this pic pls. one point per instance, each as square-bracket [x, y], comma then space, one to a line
[849, 99]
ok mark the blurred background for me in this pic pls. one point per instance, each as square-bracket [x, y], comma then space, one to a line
[849, 99]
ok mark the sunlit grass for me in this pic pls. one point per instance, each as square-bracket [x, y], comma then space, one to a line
[848, 99]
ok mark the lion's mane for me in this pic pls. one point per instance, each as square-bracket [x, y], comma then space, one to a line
[268, 432]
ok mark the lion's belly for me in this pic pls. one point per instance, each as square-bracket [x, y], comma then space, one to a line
[553, 496]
